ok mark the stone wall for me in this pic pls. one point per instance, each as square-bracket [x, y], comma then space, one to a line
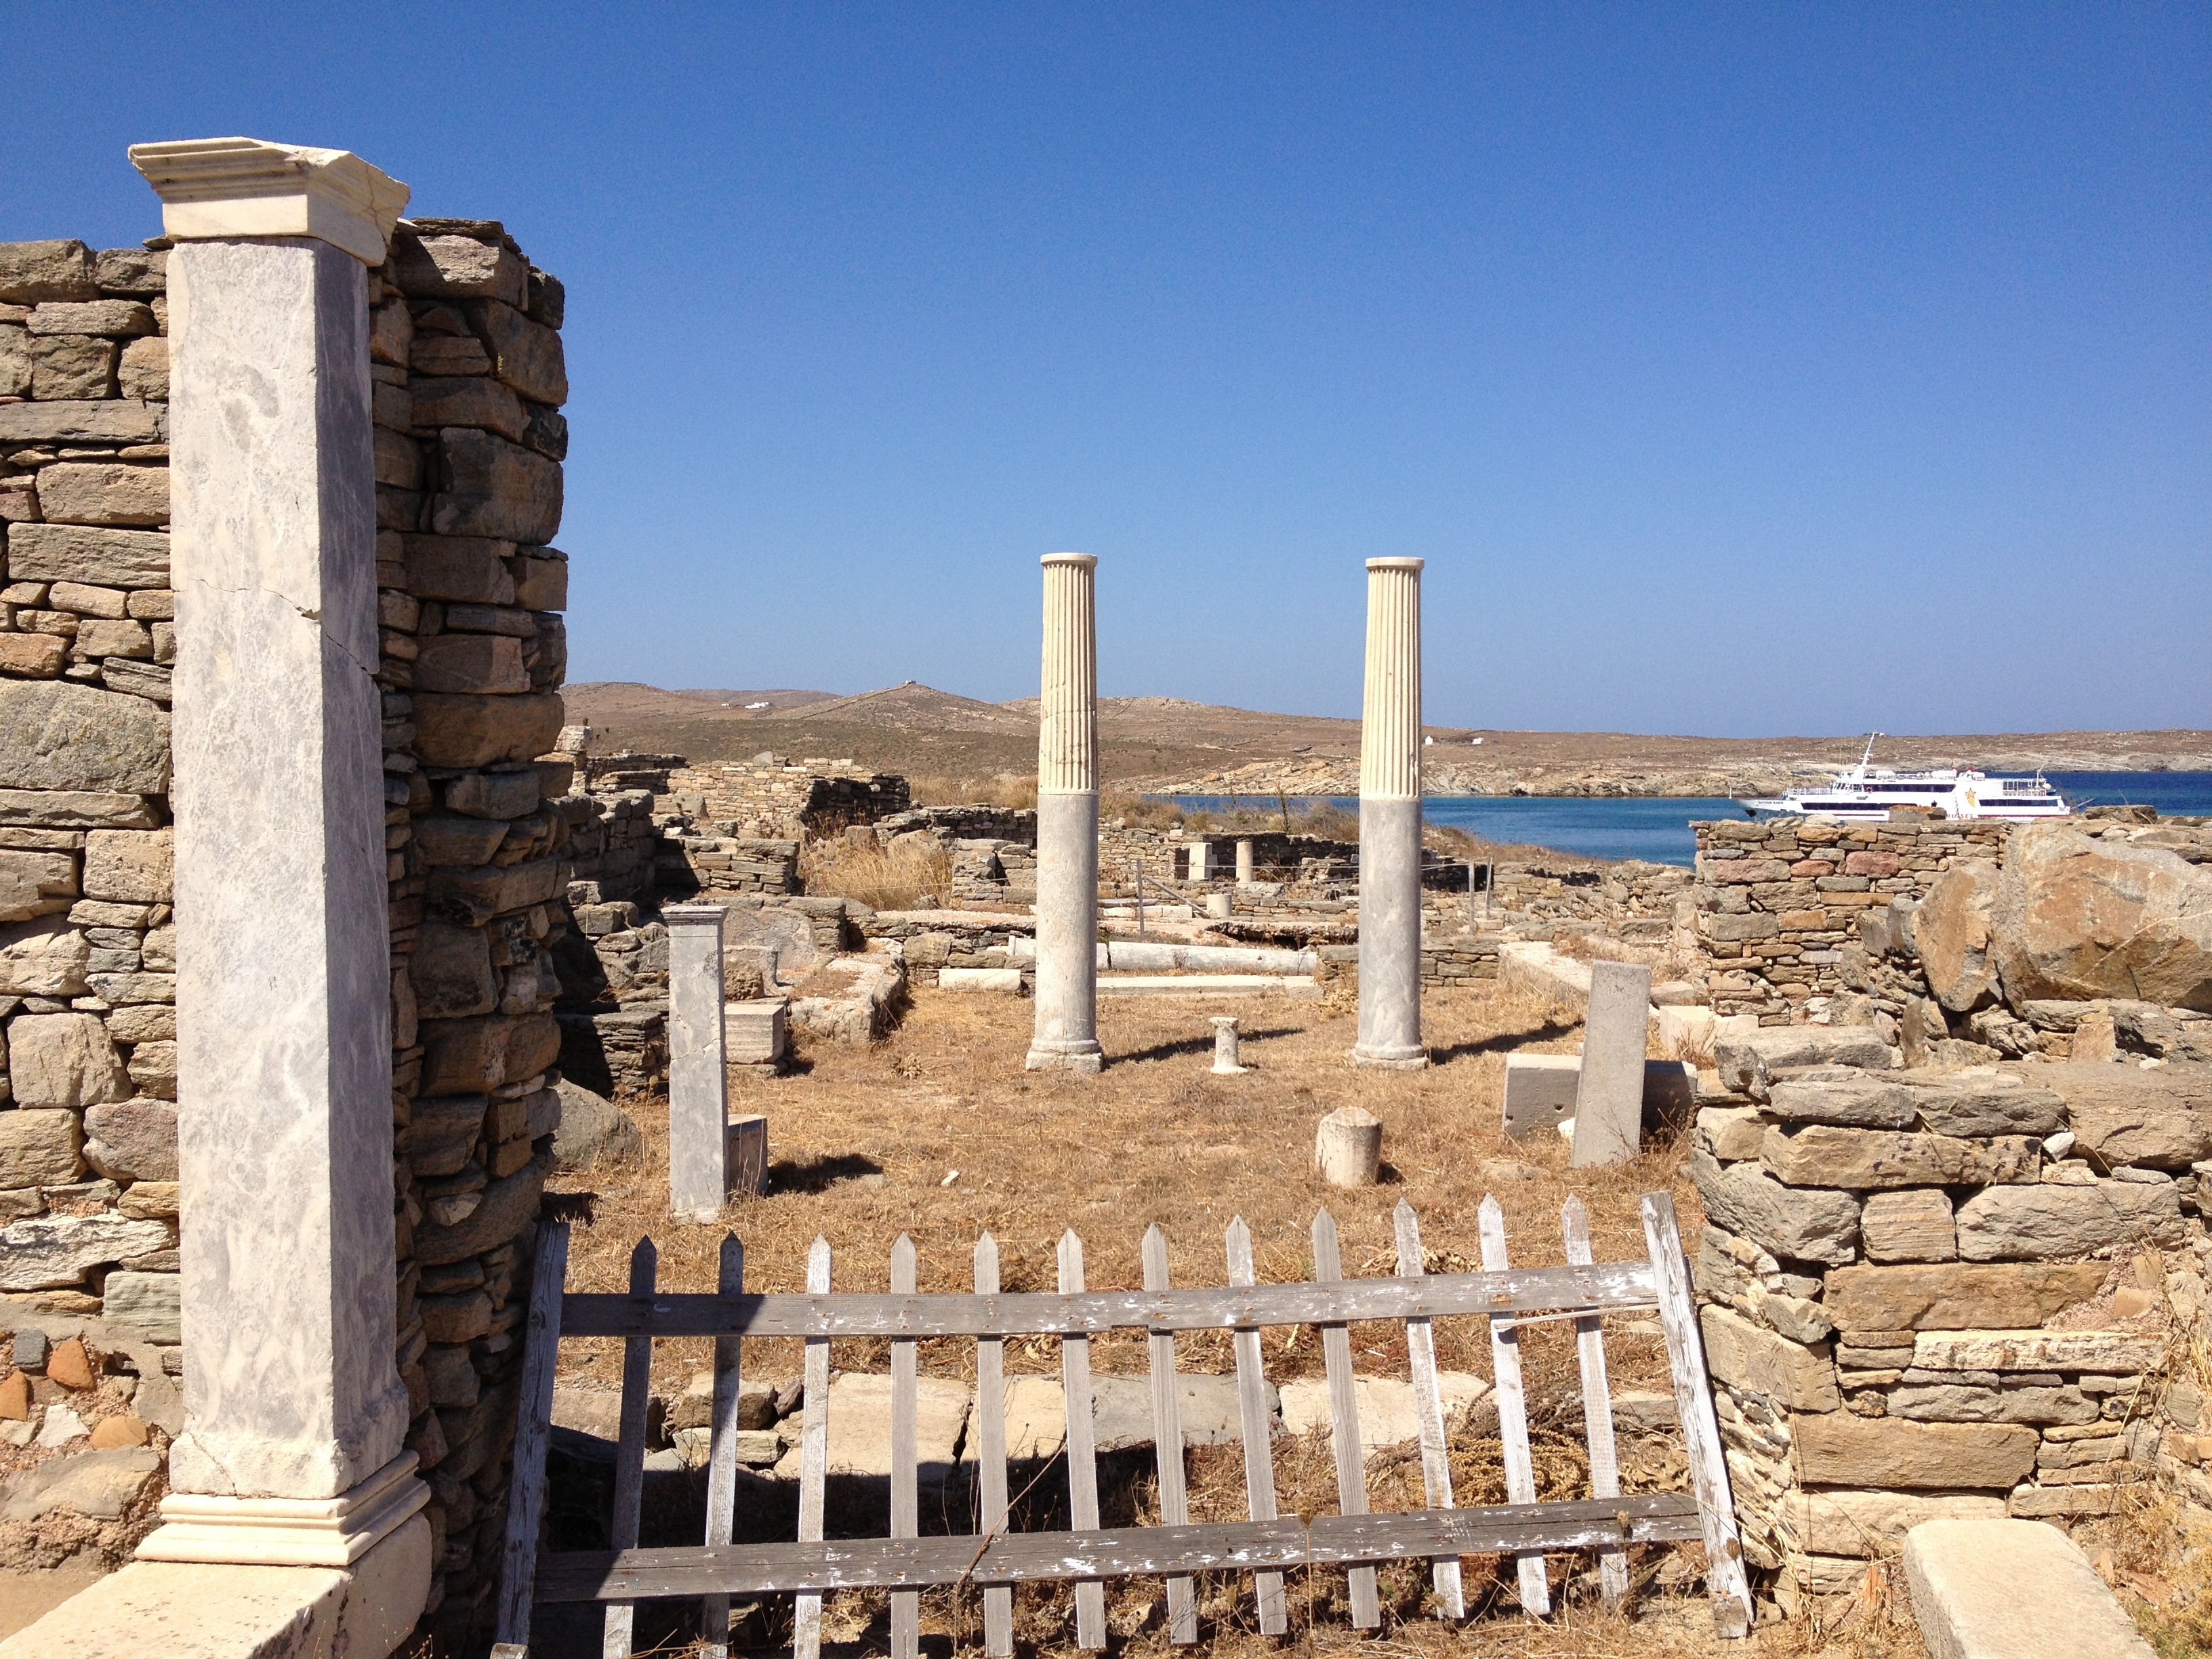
[469, 374]
[88, 1019]
[1778, 900]
[770, 798]
[1932, 1293]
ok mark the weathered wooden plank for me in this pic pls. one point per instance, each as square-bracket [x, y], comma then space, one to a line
[1531, 1289]
[722, 1452]
[629, 1451]
[1693, 1403]
[1512, 1412]
[813, 1455]
[1094, 1555]
[1167, 1440]
[991, 1453]
[906, 1512]
[1082, 1448]
[526, 1503]
[1257, 1423]
[1429, 1410]
[1597, 1405]
[1344, 1419]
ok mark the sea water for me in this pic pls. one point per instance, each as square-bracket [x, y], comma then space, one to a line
[1657, 828]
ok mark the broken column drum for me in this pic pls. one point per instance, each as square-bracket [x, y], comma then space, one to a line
[1244, 863]
[1226, 1060]
[1065, 1036]
[1390, 821]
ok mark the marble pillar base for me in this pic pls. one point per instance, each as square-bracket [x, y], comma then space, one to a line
[289, 1532]
[363, 1610]
[1066, 1030]
[1390, 936]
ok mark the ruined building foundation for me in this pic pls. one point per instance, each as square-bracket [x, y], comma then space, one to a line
[1066, 1031]
[1390, 821]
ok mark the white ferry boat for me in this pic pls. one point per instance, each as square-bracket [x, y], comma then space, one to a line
[1868, 791]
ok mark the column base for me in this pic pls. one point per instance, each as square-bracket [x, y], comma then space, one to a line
[288, 1532]
[1089, 1059]
[181, 1611]
[1391, 1059]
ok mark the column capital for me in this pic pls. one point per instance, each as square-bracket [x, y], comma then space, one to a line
[1081, 560]
[1396, 564]
[224, 189]
[694, 915]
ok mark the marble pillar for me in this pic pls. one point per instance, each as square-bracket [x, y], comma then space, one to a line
[292, 1450]
[1226, 1060]
[1390, 821]
[1244, 863]
[1065, 1036]
[698, 1074]
[1201, 861]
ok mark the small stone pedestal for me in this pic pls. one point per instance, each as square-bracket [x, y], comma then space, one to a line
[1610, 1095]
[1226, 1060]
[1348, 1147]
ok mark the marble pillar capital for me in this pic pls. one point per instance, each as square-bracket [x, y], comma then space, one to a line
[227, 189]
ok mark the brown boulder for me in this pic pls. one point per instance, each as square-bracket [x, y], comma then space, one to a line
[2123, 1115]
[2079, 919]
[1951, 931]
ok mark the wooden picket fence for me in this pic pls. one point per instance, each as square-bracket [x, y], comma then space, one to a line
[995, 1559]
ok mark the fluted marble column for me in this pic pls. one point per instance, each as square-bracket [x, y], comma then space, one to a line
[1390, 821]
[1067, 1033]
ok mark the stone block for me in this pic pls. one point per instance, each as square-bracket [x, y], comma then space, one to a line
[146, 1302]
[102, 1484]
[56, 735]
[1838, 1450]
[32, 656]
[132, 1140]
[70, 809]
[504, 1210]
[1963, 1297]
[1914, 1224]
[2006, 1589]
[94, 555]
[2123, 1115]
[470, 730]
[1539, 1092]
[470, 569]
[754, 1030]
[2078, 918]
[456, 267]
[126, 638]
[15, 363]
[463, 1056]
[458, 1318]
[526, 356]
[1863, 1160]
[1853, 1100]
[541, 584]
[1800, 1224]
[101, 419]
[112, 602]
[1873, 1524]
[462, 841]
[35, 883]
[493, 794]
[1731, 1133]
[40, 273]
[37, 1148]
[468, 400]
[1786, 1373]
[494, 489]
[2105, 1353]
[72, 366]
[64, 1061]
[42, 1253]
[470, 663]
[132, 866]
[448, 354]
[451, 971]
[109, 316]
[104, 493]
[1952, 1104]
[44, 956]
[142, 371]
[2015, 1224]
[1746, 1060]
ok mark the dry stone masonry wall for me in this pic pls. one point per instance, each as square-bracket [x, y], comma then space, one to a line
[772, 799]
[469, 379]
[88, 989]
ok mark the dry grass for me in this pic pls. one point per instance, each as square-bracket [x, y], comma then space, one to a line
[884, 878]
[865, 1139]
[988, 789]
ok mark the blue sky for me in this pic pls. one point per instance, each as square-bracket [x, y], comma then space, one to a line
[1742, 370]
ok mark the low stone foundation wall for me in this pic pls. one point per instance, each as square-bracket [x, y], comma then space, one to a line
[772, 799]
